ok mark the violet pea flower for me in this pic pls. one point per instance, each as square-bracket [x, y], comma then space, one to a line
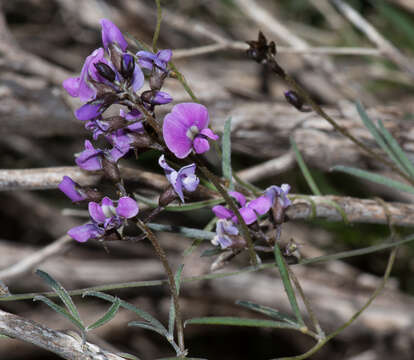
[248, 211]
[71, 190]
[80, 86]
[112, 35]
[224, 230]
[147, 59]
[105, 217]
[183, 179]
[90, 159]
[274, 193]
[186, 128]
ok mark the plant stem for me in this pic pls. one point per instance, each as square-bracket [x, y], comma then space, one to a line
[233, 207]
[171, 282]
[157, 27]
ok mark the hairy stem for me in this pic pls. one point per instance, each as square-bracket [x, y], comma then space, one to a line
[171, 282]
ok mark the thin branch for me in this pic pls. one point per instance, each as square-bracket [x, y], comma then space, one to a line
[388, 49]
[60, 343]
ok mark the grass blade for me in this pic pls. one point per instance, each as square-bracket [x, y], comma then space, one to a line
[184, 207]
[235, 321]
[280, 262]
[108, 316]
[375, 178]
[226, 149]
[60, 310]
[305, 171]
[267, 311]
[369, 124]
[63, 294]
[402, 158]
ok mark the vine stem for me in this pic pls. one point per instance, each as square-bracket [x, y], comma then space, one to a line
[302, 92]
[233, 207]
[157, 27]
[171, 282]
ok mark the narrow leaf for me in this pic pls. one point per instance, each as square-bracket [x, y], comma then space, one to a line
[108, 316]
[63, 294]
[226, 149]
[183, 207]
[141, 313]
[185, 231]
[369, 124]
[128, 356]
[397, 150]
[211, 252]
[375, 178]
[145, 325]
[284, 274]
[305, 171]
[198, 241]
[267, 311]
[235, 321]
[60, 310]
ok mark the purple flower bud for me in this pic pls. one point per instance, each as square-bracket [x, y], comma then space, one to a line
[185, 128]
[294, 99]
[112, 35]
[183, 179]
[127, 66]
[161, 98]
[71, 189]
[105, 71]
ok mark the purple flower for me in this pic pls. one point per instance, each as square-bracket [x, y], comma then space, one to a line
[161, 98]
[71, 189]
[112, 35]
[183, 179]
[185, 128]
[274, 193]
[80, 86]
[89, 111]
[90, 159]
[147, 59]
[105, 217]
[224, 230]
[98, 127]
[249, 211]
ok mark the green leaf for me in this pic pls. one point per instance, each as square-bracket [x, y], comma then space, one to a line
[284, 274]
[198, 241]
[128, 356]
[305, 171]
[108, 316]
[141, 313]
[267, 311]
[226, 159]
[211, 252]
[399, 153]
[61, 292]
[145, 325]
[369, 124]
[235, 321]
[185, 231]
[375, 178]
[183, 207]
[60, 310]
[171, 318]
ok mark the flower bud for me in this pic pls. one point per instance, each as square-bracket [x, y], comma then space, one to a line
[105, 71]
[127, 66]
[111, 170]
[294, 99]
[156, 80]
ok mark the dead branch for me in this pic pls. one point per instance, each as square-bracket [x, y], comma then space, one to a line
[64, 345]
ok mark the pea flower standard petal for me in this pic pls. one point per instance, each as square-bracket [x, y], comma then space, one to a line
[112, 35]
[274, 193]
[186, 128]
[105, 218]
[71, 189]
[249, 212]
[183, 179]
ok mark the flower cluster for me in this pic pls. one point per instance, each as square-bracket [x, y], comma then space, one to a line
[111, 75]
[274, 198]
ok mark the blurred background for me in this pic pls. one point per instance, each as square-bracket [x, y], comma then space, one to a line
[42, 42]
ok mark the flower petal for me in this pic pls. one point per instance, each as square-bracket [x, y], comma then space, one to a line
[241, 199]
[175, 136]
[88, 111]
[137, 78]
[192, 114]
[85, 232]
[68, 187]
[164, 55]
[111, 34]
[127, 207]
[261, 205]
[200, 145]
[96, 212]
[222, 212]
[71, 85]
[209, 133]
[248, 215]
[188, 178]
